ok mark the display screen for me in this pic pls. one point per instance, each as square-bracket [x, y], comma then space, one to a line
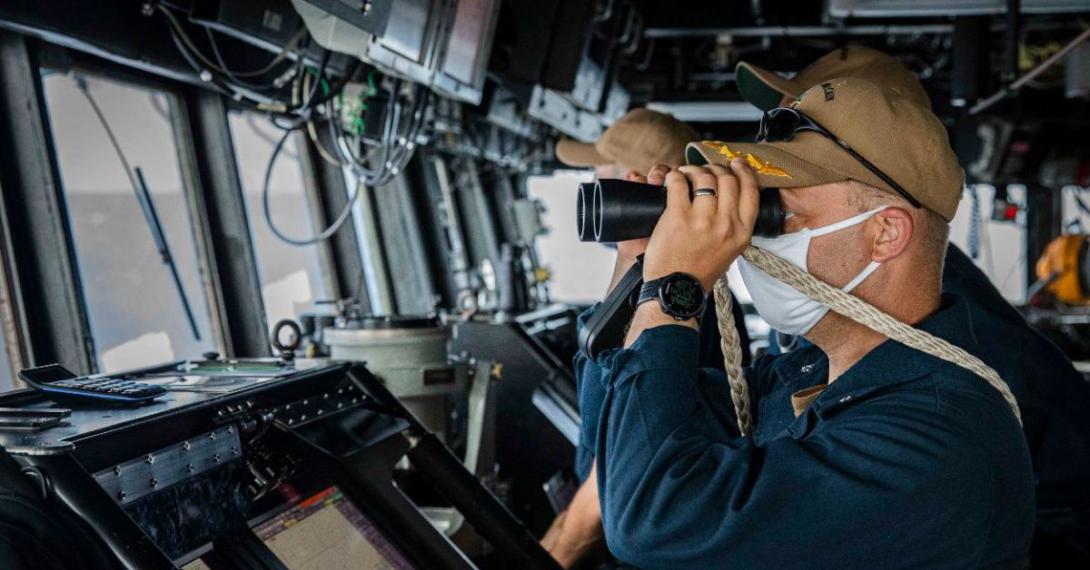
[237, 367]
[328, 532]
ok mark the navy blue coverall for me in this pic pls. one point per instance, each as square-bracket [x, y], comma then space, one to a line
[905, 461]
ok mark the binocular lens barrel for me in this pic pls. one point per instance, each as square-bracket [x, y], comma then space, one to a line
[618, 210]
[582, 212]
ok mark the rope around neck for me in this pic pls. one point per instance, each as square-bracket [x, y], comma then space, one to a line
[846, 304]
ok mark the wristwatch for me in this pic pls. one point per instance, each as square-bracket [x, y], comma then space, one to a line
[680, 295]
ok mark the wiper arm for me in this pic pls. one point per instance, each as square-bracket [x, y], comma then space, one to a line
[151, 216]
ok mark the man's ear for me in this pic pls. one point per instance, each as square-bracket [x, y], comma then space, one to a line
[895, 229]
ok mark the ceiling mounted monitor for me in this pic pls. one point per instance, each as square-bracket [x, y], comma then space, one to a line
[367, 15]
[407, 46]
[464, 61]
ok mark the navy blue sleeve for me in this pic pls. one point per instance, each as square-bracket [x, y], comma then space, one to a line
[885, 484]
[588, 382]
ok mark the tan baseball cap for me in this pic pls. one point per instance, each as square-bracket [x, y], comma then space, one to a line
[765, 89]
[639, 140]
[903, 139]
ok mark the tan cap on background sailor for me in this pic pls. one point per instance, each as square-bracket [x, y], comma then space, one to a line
[637, 141]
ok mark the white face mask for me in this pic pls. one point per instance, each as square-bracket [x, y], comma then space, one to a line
[784, 308]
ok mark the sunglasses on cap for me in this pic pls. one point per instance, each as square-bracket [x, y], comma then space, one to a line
[781, 124]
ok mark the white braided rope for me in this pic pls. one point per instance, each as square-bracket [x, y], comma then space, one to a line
[732, 356]
[846, 304]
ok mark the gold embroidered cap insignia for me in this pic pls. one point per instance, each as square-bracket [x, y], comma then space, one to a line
[754, 162]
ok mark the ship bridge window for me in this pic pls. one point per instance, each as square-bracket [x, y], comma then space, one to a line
[130, 218]
[5, 372]
[579, 272]
[8, 340]
[7, 375]
[292, 276]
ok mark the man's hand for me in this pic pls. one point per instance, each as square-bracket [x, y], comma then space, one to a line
[577, 531]
[703, 236]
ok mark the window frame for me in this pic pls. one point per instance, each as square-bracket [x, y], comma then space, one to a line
[317, 186]
[42, 273]
[42, 279]
[183, 154]
[13, 325]
[217, 207]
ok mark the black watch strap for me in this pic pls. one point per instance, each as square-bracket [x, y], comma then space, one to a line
[649, 291]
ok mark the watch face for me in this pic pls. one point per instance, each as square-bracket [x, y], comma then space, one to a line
[682, 295]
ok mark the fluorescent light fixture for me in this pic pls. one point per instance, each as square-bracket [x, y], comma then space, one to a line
[708, 111]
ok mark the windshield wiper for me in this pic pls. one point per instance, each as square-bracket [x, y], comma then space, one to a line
[151, 216]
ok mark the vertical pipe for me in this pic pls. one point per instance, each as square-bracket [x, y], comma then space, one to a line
[1043, 223]
[1014, 24]
[970, 59]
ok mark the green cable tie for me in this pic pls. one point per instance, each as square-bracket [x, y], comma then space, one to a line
[371, 83]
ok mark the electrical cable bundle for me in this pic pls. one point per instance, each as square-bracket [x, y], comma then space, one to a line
[377, 164]
[372, 164]
[295, 96]
[252, 91]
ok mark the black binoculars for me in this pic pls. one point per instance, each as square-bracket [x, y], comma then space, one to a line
[612, 210]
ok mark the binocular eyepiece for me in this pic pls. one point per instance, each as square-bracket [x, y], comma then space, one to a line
[612, 210]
